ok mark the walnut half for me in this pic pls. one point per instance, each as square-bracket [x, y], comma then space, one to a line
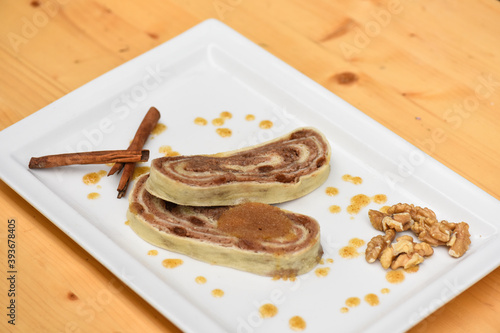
[398, 221]
[407, 260]
[461, 240]
[424, 249]
[377, 245]
[417, 213]
[376, 218]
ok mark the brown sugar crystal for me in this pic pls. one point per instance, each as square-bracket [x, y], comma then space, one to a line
[255, 221]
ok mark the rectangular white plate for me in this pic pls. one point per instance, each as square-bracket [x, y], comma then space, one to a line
[207, 70]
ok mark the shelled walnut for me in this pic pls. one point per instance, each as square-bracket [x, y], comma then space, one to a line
[376, 218]
[406, 260]
[378, 244]
[417, 213]
[404, 253]
[397, 221]
[424, 249]
[460, 240]
[424, 224]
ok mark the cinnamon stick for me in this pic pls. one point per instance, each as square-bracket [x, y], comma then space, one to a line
[94, 157]
[145, 128]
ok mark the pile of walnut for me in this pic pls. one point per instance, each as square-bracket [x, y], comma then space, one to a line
[405, 252]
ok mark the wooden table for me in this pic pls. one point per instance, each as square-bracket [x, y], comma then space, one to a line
[428, 70]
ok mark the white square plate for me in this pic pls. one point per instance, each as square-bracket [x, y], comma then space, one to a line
[202, 72]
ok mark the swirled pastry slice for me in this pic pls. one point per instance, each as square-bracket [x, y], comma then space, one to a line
[283, 169]
[252, 237]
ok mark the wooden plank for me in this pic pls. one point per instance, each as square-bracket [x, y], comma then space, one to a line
[432, 66]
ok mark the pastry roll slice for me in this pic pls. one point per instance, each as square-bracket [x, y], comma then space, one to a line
[252, 237]
[283, 169]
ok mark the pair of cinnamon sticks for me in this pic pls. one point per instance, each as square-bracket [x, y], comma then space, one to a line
[124, 160]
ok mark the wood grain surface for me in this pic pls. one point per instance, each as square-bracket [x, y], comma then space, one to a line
[428, 70]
